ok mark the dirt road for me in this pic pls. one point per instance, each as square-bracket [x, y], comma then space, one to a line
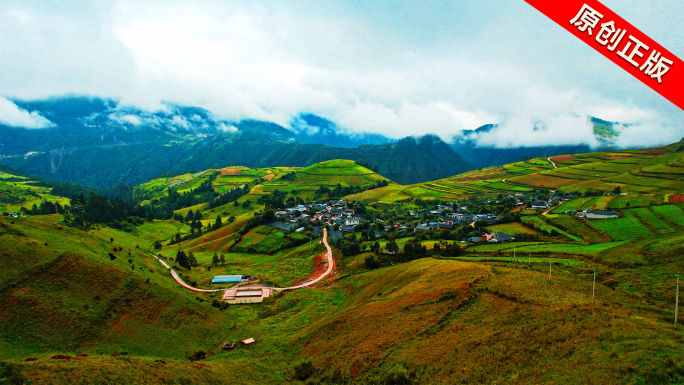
[331, 264]
[552, 162]
[179, 280]
[329, 255]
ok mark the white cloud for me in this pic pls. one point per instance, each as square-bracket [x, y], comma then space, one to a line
[11, 115]
[439, 69]
[227, 127]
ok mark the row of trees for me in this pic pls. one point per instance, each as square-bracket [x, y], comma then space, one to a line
[340, 191]
[229, 196]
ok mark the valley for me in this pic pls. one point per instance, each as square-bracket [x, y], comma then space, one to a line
[486, 276]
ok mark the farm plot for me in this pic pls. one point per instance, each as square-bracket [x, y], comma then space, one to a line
[652, 220]
[624, 228]
[525, 259]
[672, 213]
[569, 248]
[579, 204]
[266, 239]
[513, 228]
[493, 247]
[633, 200]
[538, 222]
[579, 227]
[543, 180]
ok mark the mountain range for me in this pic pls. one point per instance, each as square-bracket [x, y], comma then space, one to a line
[100, 143]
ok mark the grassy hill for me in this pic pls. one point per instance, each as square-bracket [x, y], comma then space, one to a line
[651, 175]
[19, 190]
[490, 315]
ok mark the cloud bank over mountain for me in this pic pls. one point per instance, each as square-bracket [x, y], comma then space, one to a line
[384, 68]
[13, 116]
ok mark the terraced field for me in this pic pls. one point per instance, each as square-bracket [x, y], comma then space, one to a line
[580, 204]
[539, 223]
[18, 191]
[579, 227]
[626, 227]
[265, 239]
[647, 176]
[651, 220]
[672, 213]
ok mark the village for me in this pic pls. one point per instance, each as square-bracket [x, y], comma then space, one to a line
[343, 218]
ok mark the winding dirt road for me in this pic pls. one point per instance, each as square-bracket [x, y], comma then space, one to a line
[552, 162]
[179, 280]
[331, 264]
[329, 255]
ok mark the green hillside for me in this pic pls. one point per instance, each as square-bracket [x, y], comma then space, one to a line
[650, 175]
[437, 310]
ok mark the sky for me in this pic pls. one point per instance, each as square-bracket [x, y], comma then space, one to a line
[396, 68]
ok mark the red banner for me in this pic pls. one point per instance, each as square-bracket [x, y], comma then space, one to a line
[620, 42]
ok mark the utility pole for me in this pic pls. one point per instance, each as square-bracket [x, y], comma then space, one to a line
[593, 292]
[677, 301]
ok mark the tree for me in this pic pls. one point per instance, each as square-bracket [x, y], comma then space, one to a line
[215, 260]
[371, 263]
[375, 247]
[182, 259]
[269, 215]
[192, 261]
[218, 222]
[236, 204]
[190, 217]
[223, 259]
[157, 245]
[198, 215]
[617, 191]
[392, 246]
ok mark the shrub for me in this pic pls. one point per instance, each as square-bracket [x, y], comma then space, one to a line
[371, 263]
[198, 355]
[303, 371]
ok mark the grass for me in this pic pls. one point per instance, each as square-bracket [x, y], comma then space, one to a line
[652, 221]
[283, 267]
[626, 227]
[545, 247]
[525, 259]
[61, 292]
[672, 213]
[442, 314]
[485, 319]
[538, 222]
[265, 239]
[580, 227]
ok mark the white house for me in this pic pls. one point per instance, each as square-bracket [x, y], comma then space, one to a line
[352, 221]
[599, 214]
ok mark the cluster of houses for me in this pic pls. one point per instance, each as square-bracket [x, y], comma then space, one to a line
[335, 212]
[347, 221]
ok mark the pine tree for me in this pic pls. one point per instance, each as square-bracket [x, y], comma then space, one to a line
[223, 259]
[215, 260]
[190, 217]
[182, 259]
[392, 246]
[192, 261]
